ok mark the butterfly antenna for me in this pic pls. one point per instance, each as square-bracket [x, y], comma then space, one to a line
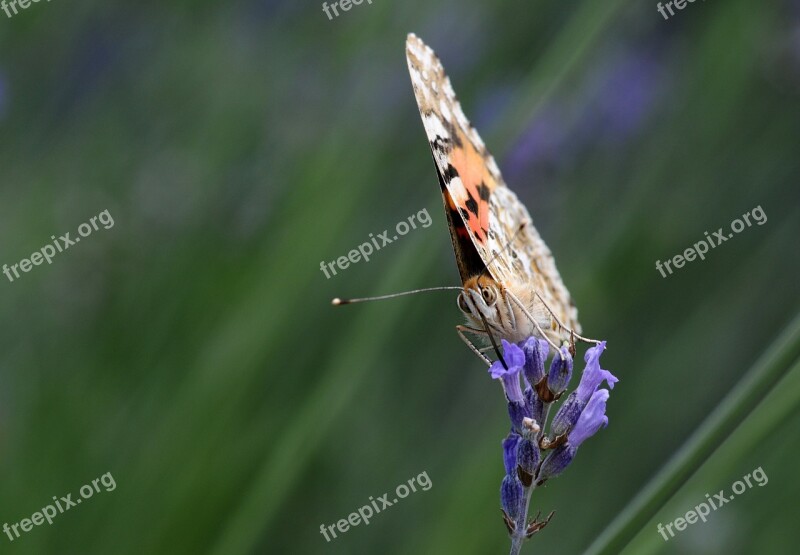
[337, 301]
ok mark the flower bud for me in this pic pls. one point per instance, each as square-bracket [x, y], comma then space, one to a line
[516, 412]
[527, 461]
[536, 351]
[591, 419]
[555, 463]
[567, 415]
[511, 495]
[560, 372]
[510, 444]
[535, 404]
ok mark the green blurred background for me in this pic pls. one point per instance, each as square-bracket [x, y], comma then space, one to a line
[192, 351]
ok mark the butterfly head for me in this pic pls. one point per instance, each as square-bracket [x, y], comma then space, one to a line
[490, 305]
[481, 299]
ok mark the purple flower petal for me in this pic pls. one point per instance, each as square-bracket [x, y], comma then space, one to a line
[513, 355]
[591, 420]
[515, 359]
[593, 375]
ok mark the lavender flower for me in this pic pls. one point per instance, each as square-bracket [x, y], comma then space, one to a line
[510, 452]
[528, 458]
[591, 379]
[511, 496]
[593, 375]
[530, 455]
[591, 419]
[536, 404]
[515, 360]
[560, 372]
[567, 415]
[511, 491]
[536, 351]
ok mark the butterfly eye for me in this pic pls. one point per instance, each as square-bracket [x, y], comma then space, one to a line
[488, 295]
[462, 304]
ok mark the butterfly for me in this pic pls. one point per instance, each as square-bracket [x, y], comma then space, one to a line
[511, 288]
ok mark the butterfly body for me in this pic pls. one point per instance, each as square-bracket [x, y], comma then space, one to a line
[511, 287]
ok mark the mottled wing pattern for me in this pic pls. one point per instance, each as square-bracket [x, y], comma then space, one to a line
[484, 214]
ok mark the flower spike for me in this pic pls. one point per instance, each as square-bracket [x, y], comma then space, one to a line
[534, 452]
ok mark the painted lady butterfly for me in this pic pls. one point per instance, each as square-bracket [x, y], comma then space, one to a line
[510, 285]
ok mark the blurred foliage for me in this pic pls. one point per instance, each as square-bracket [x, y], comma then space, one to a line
[192, 352]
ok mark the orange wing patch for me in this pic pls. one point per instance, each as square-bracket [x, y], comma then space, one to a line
[472, 197]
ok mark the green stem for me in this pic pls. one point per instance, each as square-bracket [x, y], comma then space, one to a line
[518, 537]
[769, 368]
[543, 423]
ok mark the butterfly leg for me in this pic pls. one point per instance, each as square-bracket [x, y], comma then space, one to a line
[563, 327]
[461, 329]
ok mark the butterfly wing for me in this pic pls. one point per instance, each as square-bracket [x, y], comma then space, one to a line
[490, 228]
